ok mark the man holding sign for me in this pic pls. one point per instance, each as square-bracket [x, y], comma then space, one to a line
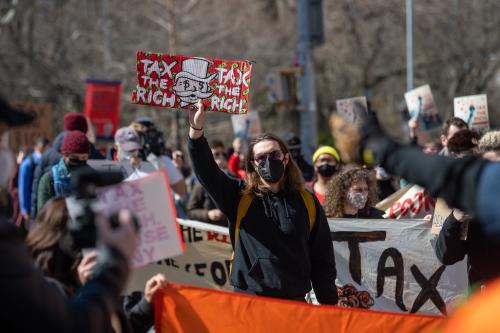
[278, 229]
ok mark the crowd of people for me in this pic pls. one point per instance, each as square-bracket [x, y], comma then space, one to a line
[275, 203]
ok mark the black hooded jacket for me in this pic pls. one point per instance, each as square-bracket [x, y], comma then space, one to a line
[275, 255]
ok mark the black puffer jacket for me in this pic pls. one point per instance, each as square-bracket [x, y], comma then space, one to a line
[276, 255]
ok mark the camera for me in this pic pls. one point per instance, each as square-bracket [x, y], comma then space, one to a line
[81, 227]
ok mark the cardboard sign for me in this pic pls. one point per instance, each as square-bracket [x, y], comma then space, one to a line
[352, 108]
[179, 82]
[246, 126]
[421, 105]
[102, 107]
[412, 203]
[206, 263]
[26, 136]
[150, 200]
[474, 111]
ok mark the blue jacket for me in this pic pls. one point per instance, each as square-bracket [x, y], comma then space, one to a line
[25, 181]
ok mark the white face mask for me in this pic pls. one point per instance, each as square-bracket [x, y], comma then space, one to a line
[357, 199]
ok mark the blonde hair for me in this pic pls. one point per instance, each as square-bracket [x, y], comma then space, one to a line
[490, 141]
[292, 180]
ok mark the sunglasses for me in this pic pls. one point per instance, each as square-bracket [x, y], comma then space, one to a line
[274, 155]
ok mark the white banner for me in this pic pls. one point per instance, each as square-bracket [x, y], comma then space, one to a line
[205, 263]
[394, 262]
[393, 257]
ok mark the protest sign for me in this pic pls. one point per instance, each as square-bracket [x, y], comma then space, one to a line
[102, 107]
[182, 309]
[246, 126]
[413, 203]
[393, 261]
[150, 200]
[421, 106]
[41, 127]
[205, 263]
[352, 109]
[175, 81]
[473, 110]
[361, 248]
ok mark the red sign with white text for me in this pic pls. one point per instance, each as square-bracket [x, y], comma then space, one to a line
[180, 81]
[102, 107]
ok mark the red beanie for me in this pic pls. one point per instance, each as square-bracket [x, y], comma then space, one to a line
[75, 142]
[75, 121]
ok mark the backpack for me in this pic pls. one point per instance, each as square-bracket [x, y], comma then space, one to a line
[245, 202]
[61, 182]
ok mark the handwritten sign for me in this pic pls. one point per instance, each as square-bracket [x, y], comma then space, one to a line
[377, 267]
[180, 81]
[149, 199]
[352, 108]
[413, 202]
[41, 127]
[473, 110]
[421, 105]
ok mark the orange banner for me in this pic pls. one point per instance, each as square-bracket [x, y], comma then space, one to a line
[181, 308]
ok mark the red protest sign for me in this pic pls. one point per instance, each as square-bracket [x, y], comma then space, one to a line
[102, 107]
[180, 81]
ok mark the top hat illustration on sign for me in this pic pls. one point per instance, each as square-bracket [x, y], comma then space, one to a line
[192, 83]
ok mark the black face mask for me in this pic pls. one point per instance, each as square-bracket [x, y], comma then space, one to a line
[74, 164]
[271, 170]
[327, 170]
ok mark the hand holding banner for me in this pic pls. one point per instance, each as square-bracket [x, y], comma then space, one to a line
[180, 81]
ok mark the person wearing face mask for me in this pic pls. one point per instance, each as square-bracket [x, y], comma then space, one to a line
[278, 229]
[352, 194]
[326, 161]
[75, 152]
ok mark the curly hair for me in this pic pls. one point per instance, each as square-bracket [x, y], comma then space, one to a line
[292, 182]
[490, 141]
[338, 187]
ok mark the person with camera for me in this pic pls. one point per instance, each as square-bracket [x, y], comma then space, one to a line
[278, 229]
[75, 152]
[31, 304]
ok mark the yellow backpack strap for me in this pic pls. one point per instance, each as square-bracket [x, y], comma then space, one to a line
[311, 207]
[243, 206]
